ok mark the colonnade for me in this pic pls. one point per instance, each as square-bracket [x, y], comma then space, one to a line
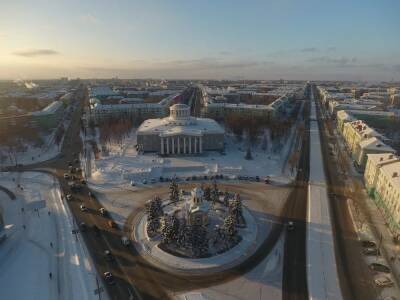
[181, 145]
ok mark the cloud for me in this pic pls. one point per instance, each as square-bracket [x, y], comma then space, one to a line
[36, 52]
[311, 49]
[89, 19]
[341, 61]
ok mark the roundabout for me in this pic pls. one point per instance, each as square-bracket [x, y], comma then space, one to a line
[196, 232]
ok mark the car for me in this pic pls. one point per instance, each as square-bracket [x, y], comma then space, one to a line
[69, 197]
[83, 207]
[368, 244]
[133, 183]
[379, 268]
[108, 255]
[187, 179]
[66, 176]
[371, 251]
[290, 226]
[153, 181]
[82, 227]
[125, 241]
[258, 178]
[112, 224]
[103, 211]
[144, 181]
[383, 281]
[109, 278]
[161, 179]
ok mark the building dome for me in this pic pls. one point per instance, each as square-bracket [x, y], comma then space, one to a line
[179, 111]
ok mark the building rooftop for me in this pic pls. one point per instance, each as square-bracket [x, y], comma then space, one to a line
[382, 158]
[374, 143]
[48, 110]
[393, 172]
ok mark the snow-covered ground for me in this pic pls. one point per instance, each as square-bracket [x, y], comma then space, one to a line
[123, 163]
[34, 154]
[263, 282]
[27, 257]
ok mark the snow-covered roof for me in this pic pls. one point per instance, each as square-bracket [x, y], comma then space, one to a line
[166, 127]
[382, 158]
[374, 143]
[344, 115]
[393, 172]
[50, 109]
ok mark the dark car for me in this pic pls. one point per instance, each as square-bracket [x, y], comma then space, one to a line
[108, 255]
[379, 268]
[109, 278]
[368, 244]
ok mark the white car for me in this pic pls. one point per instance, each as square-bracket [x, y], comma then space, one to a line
[83, 207]
[383, 281]
[69, 197]
[133, 183]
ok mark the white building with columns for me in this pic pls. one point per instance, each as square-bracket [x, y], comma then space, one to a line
[180, 134]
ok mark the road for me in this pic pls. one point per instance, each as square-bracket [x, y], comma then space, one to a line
[294, 268]
[355, 278]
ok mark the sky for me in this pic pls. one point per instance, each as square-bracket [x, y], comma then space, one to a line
[188, 39]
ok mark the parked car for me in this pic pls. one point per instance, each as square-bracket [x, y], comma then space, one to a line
[108, 255]
[383, 281]
[83, 207]
[153, 181]
[133, 183]
[368, 244]
[144, 181]
[371, 251]
[69, 197]
[66, 176]
[379, 268]
[103, 211]
[290, 226]
[109, 278]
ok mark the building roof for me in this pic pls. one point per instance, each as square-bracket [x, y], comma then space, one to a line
[379, 159]
[374, 143]
[165, 127]
[393, 172]
[48, 110]
[344, 115]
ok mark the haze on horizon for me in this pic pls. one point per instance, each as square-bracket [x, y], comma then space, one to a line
[291, 39]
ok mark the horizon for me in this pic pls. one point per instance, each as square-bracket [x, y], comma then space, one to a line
[293, 40]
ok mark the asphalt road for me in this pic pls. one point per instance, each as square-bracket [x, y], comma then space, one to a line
[294, 267]
[355, 278]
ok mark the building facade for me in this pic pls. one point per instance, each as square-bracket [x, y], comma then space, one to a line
[180, 134]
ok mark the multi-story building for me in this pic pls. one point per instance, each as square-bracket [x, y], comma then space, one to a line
[387, 194]
[343, 117]
[356, 131]
[368, 146]
[374, 163]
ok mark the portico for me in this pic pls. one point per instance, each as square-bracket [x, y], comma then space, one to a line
[181, 144]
